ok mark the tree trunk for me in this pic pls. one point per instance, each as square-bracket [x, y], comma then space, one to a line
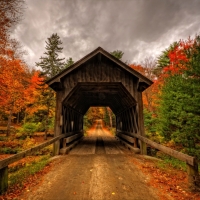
[110, 116]
[9, 123]
[18, 118]
[46, 125]
[25, 116]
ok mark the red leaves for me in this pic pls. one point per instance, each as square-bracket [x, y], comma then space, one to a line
[178, 58]
[150, 95]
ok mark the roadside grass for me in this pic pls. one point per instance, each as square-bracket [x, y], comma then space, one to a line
[17, 177]
[168, 161]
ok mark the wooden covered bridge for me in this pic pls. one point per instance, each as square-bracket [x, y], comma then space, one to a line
[99, 79]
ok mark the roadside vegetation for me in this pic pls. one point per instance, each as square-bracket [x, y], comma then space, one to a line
[18, 174]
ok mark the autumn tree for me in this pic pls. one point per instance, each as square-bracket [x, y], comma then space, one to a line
[150, 95]
[164, 60]
[12, 88]
[11, 66]
[11, 13]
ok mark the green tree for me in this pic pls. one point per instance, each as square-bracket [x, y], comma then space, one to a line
[179, 114]
[69, 62]
[51, 64]
[46, 105]
[118, 54]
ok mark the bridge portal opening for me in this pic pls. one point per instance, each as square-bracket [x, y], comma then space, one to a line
[99, 118]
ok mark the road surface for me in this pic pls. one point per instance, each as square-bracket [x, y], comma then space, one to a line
[98, 168]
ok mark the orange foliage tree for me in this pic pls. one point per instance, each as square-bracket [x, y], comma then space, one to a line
[13, 79]
[150, 95]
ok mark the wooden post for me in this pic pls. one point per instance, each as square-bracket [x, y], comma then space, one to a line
[3, 179]
[193, 176]
[136, 143]
[58, 127]
[143, 147]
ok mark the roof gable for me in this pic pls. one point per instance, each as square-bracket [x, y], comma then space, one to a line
[101, 51]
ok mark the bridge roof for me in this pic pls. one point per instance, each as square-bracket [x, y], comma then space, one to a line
[57, 79]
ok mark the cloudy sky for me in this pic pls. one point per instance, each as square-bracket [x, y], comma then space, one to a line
[140, 28]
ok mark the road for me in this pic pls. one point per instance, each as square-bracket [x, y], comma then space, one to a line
[98, 168]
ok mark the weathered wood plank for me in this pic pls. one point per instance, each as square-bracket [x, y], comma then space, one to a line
[136, 150]
[126, 137]
[71, 138]
[14, 158]
[176, 154]
[66, 149]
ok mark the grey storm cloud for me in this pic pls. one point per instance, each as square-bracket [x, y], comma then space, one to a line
[140, 28]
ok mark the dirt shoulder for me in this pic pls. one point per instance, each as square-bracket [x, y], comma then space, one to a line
[169, 181]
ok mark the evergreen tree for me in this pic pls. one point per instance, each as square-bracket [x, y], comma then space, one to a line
[69, 62]
[118, 54]
[51, 64]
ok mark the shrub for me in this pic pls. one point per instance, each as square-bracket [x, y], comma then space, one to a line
[8, 150]
[28, 143]
[27, 130]
[40, 127]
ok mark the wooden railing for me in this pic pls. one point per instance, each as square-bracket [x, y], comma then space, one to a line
[5, 162]
[191, 162]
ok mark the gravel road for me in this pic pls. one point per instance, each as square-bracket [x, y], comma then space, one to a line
[98, 168]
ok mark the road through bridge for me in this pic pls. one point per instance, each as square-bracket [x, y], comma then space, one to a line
[98, 168]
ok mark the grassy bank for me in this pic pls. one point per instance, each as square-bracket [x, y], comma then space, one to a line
[18, 176]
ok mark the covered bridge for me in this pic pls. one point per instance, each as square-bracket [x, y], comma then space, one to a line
[99, 79]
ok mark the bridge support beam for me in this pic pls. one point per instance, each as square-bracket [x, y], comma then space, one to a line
[143, 146]
[58, 122]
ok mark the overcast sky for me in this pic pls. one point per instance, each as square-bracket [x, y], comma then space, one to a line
[140, 28]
